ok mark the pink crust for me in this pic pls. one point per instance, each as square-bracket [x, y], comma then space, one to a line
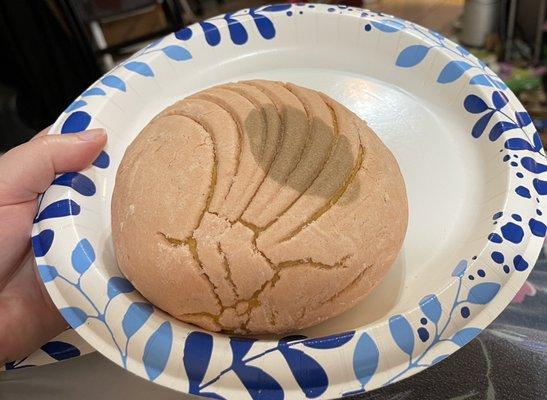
[257, 207]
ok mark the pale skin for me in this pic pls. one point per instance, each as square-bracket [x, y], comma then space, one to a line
[28, 317]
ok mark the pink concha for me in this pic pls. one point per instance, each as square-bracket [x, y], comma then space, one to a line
[257, 207]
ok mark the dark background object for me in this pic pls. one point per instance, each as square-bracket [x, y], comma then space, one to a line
[91, 14]
[44, 66]
[51, 55]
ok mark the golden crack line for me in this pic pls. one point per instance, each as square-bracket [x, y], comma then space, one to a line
[240, 131]
[212, 187]
[192, 246]
[199, 314]
[302, 153]
[273, 318]
[280, 140]
[173, 241]
[215, 318]
[227, 269]
[254, 103]
[211, 99]
[242, 94]
[301, 157]
[256, 230]
[310, 262]
[349, 285]
[308, 136]
[337, 294]
[332, 149]
[239, 314]
[254, 302]
[334, 199]
[266, 91]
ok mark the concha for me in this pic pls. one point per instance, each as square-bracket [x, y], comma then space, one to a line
[257, 207]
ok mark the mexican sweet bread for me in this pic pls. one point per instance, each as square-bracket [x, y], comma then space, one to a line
[257, 207]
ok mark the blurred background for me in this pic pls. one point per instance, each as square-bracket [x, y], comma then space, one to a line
[53, 49]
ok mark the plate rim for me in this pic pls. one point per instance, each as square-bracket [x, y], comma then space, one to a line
[480, 320]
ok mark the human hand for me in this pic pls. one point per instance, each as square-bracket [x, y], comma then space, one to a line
[28, 317]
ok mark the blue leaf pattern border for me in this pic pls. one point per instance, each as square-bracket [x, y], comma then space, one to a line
[237, 31]
[419, 341]
[462, 61]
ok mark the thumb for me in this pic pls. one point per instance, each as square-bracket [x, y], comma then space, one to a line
[29, 169]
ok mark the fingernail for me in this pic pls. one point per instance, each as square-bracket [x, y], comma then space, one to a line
[91, 135]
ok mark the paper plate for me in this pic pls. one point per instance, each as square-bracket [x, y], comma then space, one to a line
[469, 153]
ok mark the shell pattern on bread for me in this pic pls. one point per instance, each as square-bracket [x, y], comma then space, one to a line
[257, 207]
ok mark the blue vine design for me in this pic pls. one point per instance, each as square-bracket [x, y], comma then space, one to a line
[476, 105]
[158, 344]
[82, 258]
[413, 55]
[480, 293]
[173, 52]
[526, 143]
[310, 376]
[237, 31]
[403, 335]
